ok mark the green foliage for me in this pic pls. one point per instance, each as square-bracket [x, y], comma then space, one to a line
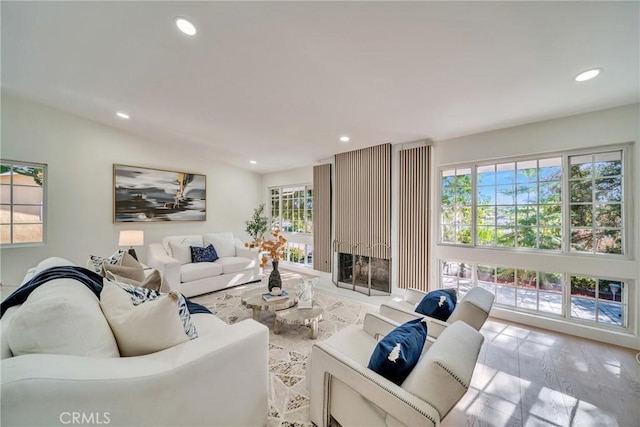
[35, 173]
[257, 225]
[294, 254]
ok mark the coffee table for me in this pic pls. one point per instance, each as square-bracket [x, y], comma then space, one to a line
[300, 316]
[253, 300]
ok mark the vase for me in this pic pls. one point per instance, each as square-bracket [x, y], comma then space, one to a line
[274, 278]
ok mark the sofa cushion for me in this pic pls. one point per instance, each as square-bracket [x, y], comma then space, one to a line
[152, 325]
[181, 243]
[235, 264]
[398, 352]
[180, 252]
[223, 242]
[61, 317]
[200, 270]
[207, 254]
[438, 304]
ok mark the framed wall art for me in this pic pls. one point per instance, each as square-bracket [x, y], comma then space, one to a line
[153, 195]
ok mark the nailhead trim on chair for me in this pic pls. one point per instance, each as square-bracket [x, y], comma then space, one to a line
[453, 375]
[365, 374]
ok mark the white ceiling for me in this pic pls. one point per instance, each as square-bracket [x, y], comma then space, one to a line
[280, 82]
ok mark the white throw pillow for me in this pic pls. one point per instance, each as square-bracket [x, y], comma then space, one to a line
[224, 243]
[181, 252]
[148, 327]
[61, 317]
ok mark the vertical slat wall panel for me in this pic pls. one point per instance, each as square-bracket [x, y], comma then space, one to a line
[322, 218]
[413, 219]
[363, 201]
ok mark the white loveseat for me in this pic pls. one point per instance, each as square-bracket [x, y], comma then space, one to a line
[217, 379]
[236, 264]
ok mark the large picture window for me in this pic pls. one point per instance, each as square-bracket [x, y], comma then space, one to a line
[292, 208]
[521, 203]
[22, 202]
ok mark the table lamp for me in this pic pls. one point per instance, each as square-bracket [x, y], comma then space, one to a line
[131, 238]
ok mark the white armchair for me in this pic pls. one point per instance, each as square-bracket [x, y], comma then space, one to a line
[342, 387]
[473, 309]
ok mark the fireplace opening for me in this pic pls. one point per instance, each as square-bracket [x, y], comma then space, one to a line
[365, 274]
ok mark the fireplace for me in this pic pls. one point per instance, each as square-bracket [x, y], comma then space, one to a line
[366, 274]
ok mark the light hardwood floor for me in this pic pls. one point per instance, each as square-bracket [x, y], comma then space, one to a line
[533, 377]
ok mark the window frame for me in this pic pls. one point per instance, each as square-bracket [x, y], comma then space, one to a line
[11, 223]
[627, 240]
[566, 314]
[307, 187]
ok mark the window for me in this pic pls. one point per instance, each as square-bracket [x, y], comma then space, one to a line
[292, 208]
[587, 299]
[299, 253]
[520, 204]
[22, 194]
[596, 206]
[456, 206]
[601, 301]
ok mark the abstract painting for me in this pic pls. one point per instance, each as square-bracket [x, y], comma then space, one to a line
[151, 195]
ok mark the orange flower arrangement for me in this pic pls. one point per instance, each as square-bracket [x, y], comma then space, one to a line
[273, 248]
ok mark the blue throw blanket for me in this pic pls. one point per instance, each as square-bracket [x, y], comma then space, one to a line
[90, 279]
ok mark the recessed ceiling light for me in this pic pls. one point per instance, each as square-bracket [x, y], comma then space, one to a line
[344, 138]
[253, 162]
[185, 26]
[588, 75]
[122, 115]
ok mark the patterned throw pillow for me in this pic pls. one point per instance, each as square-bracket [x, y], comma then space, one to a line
[95, 262]
[141, 295]
[207, 254]
[438, 304]
[398, 352]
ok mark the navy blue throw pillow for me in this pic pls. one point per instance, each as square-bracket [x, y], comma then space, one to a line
[438, 304]
[207, 254]
[397, 353]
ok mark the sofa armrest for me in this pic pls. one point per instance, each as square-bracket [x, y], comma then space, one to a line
[435, 327]
[328, 363]
[168, 267]
[414, 296]
[208, 376]
[400, 311]
[246, 252]
[378, 326]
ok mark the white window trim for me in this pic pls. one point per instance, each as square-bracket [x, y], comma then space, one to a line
[280, 187]
[45, 168]
[627, 212]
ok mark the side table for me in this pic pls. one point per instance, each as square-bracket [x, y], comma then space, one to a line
[300, 316]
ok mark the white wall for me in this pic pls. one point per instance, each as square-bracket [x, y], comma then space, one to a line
[80, 155]
[612, 126]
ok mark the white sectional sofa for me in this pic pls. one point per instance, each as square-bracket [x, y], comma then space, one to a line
[236, 264]
[68, 367]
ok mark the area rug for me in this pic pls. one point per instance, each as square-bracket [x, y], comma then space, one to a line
[288, 351]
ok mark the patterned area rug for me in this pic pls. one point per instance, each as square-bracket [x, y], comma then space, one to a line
[288, 351]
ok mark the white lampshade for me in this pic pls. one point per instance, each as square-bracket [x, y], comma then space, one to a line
[131, 238]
